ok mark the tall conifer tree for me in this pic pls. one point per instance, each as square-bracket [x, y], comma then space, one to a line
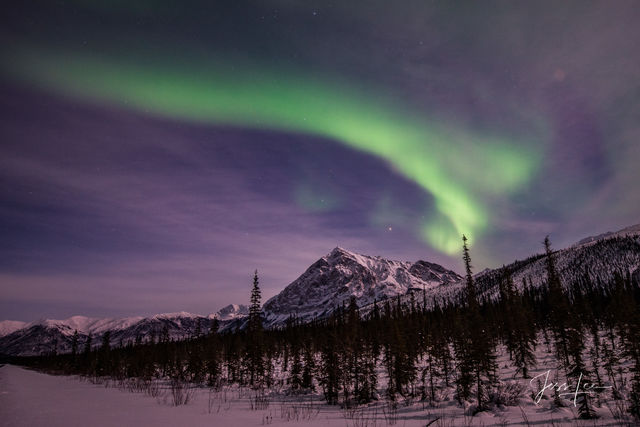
[255, 350]
[475, 347]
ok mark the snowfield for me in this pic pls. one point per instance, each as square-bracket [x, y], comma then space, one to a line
[29, 398]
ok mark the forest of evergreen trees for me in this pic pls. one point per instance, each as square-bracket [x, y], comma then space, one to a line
[402, 350]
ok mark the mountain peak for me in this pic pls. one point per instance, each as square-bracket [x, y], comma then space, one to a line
[232, 311]
[338, 251]
[340, 275]
[340, 255]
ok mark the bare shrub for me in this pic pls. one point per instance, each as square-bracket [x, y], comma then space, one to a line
[390, 412]
[507, 394]
[181, 393]
[136, 385]
[302, 411]
[259, 400]
[140, 385]
[95, 380]
[152, 388]
[619, 410]
[443, 420]
[525, 419]
[218, 400]
[359, 417]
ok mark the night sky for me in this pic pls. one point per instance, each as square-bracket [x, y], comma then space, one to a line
[154, 153]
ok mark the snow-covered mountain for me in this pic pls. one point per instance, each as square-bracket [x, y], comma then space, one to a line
[335, 278]
[599, 258]
[327, 284]
[47, 335]
[10, 326]
[628, 231]
[331, 282]
[86, 325]
[232, 311]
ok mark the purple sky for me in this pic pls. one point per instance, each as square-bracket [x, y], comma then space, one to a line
[110, 211]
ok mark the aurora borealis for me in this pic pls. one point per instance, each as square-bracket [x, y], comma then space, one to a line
[176, 149]
[416, 148]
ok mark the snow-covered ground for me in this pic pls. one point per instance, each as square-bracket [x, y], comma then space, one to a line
[29, 398]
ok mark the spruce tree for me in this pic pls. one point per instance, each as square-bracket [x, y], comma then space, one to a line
[255, 350]
[104, 357]
[295, 373]
[74, 345]
[195, 363]
[87, 346]
[475, 348]
[568, 332]
[626, 314]
[558, 308]
[308, 369]
[198, 331]
[213, 355]
[329, 374]
[518, 328]
[86, 356]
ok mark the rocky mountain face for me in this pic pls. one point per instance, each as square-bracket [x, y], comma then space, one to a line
[35, 340]
[331, 282]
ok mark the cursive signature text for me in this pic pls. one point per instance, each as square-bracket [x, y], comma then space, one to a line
[563, 389]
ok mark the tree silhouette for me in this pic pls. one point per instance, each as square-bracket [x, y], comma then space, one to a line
[255, 350]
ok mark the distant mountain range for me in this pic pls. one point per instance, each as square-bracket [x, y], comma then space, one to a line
[329, 283]
[45, 336]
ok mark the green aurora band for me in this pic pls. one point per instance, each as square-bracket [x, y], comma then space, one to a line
[459, 168]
